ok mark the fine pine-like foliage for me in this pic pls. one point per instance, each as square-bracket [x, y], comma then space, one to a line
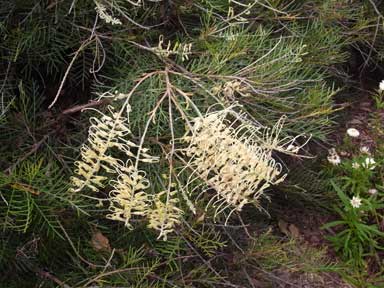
[32, 194]
[178, 141]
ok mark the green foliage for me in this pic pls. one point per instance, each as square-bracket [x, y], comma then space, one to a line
[287, 254]
[273, 57]
[379, 98]
[357, 232]
[356, 240]
[33, 194]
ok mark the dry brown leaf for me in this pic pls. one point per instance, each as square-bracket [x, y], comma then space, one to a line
[99, 242]
[294, 231]
[289, 230]
[25, 188]
[283, 226]
[200, 218]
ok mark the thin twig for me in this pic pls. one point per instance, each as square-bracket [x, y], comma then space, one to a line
[100, 276]
[34, 148]
[206, 262]
[47, 275]
[82, 46]
[367, 58]
[76, 252]
[376, 9]
[248, 277]
[81, 107]
[109, 261]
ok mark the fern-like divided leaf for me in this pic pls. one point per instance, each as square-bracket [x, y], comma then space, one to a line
[32, 196]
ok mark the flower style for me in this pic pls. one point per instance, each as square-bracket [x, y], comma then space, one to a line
[183, 50]
[353, 132]
[355, 201]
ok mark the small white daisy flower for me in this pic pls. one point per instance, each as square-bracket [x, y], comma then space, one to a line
[355, 165]
[364, 149]
[333, 157]
[372, 191]
[369, 163]
[381, 86]
[356, 201]
[352, 132]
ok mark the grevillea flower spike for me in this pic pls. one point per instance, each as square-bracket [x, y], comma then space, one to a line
[234, 158]
[228, 153]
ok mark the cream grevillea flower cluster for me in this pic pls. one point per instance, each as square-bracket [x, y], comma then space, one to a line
[233, 159]
[129, 197]
[166, 214]
[103, 14]
[105, 133]
[227, 154]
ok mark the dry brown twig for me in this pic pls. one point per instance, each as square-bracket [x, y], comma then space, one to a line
[46, 275]
[36, 146]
